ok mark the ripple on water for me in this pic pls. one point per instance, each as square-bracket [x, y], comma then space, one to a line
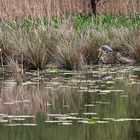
[18, 124]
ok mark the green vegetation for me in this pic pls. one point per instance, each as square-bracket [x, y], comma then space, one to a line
[70, 41]
[77, 20]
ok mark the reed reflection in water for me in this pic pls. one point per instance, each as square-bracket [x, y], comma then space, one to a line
[80, 107]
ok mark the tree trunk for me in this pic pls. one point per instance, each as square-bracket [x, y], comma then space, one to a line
[93, 6]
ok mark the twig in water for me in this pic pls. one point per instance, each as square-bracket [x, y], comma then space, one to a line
[2, 61]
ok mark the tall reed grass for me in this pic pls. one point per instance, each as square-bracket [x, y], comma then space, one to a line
[70, 42]
[68, 49]
[36, 48]
[42, 8]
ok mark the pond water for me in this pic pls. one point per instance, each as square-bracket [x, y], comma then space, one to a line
[100, 103]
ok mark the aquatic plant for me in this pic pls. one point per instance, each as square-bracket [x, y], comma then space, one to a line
[36, 48]
[17, 70]
[68, 50]
[135, 45]
[69, 41]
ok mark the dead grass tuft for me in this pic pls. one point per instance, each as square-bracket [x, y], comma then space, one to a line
[37, 48]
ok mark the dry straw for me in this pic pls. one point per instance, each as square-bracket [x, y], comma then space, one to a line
[41, 8]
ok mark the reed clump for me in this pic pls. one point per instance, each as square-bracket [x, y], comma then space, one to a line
[135, 45]
[69, 41]
[94, 40]
[36, 48]
[69, 49]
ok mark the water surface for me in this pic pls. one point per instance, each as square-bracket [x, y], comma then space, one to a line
[99, 103]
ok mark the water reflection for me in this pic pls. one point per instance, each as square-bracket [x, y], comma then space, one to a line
[134, 106]
[72, 105]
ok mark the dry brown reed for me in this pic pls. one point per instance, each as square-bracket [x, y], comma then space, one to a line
[68, 49]
[134, 45]
[69, 56]
[41, 8]
[16, 69]
[38, 8]
[36, 48]
[94, 40]
[119, 6]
